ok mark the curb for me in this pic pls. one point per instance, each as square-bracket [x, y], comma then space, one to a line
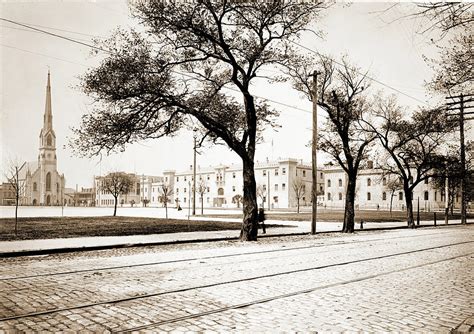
[189, 241]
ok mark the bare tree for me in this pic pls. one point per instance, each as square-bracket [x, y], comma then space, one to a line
[178, 68]
[412, 145]
[262, 193]
[392, 184]
[446, 16]
[237, 199]
[201, 190]
[116, 184]
[299, 188]
[166, 195]
[13, 178]
[342, 96]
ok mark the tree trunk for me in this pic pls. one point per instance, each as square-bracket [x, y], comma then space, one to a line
[202, 205]
[115, 206]
[409, 203]
[166, 209]
[349, 212]
[16, 215]
[249, 225]
[297, 205]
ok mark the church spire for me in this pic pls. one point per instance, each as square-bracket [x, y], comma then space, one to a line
[48, 114]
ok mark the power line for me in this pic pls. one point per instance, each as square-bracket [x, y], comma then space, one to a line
[57, 29]
[109, 52]
[41, 54]
[55, 35]
[368, 77]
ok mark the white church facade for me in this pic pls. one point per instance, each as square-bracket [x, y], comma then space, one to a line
[43, 184]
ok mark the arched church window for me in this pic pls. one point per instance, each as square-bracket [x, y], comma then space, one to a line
[57, 187]
[35, 186]
[49, 140]
[48, 182]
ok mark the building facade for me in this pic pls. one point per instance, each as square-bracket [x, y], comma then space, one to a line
[374, 191]
[7, 194]
[221, 185]
[43, 184]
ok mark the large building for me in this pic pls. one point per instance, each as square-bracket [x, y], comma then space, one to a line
[374, 191]
[221, 185]
[43, 184]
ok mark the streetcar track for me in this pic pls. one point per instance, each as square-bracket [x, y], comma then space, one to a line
[148, 295]
[281, 296]
[11, 278]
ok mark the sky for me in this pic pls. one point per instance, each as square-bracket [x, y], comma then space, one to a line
[372, 38]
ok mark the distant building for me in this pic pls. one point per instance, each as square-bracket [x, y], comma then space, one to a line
[43, 185]
[7, 194]
[372, 192]
[223, 184]
[145, 191]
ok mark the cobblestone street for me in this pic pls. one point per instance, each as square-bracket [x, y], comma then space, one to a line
[401, 280]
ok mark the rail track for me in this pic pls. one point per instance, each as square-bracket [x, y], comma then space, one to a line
[247, 279]
[193, 259]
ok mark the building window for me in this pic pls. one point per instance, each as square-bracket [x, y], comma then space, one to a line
[329, 196]
[184, 189]
[427, 195]
[276, 172]
[184, 199]
[304, 173]
[264, 172]
[283, 171]
[49, 140]
[340, 182]
[384, 196]
[177, 190]
[276, 187]
[208, 190]
[35, 186]
[57, 188]
[233, 175]
[48, 182]
[369, 182]
[264, 187]
[384, 181]
[329, 183]
[283, 186]
[138, 189]
[185, 178]
[427, 180]
[369, 196]
[321, 188]
[436, 195]
[233, 188]
[400, 196]
[177, 178]
[340, 196]
[208, 177]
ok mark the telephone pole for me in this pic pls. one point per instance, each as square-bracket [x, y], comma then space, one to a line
[458, 103]
[314, 147]
[194, 176]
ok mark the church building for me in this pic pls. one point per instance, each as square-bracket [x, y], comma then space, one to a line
[43, 185]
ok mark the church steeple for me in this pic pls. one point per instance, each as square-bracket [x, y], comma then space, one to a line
[48, 113]
[47, 136]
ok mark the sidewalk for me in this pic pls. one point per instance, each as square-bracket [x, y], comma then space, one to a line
[50, 246]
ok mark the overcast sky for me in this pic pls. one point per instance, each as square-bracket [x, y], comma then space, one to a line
[391, 51]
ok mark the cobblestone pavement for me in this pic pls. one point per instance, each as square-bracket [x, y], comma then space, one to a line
[404, 280]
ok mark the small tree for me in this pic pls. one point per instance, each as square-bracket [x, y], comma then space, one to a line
[166, 194]
[145, 202]
[392, 184]
[116, 184]
[201, 190]
[237, 199]
[299, 188]
[132, 203]
[261, 193]
[16, 184]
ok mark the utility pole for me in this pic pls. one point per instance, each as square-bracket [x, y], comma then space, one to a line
[268, 189]
[194, 176]
[458, 103]
[314, 147]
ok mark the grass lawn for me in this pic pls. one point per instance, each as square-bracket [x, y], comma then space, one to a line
[69, 227]
[338, 216]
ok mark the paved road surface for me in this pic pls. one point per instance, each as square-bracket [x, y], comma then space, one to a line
[403, 280]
